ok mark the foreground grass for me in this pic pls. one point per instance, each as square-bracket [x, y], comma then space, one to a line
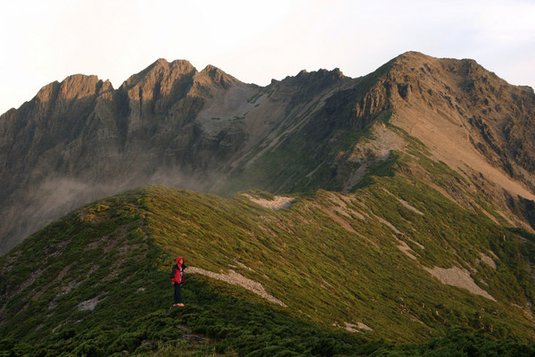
[118, 252]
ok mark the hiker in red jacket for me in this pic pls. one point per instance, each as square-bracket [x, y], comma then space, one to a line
[177, 279]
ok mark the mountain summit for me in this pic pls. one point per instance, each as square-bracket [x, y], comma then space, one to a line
[81, 139]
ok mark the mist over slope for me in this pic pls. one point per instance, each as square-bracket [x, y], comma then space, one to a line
[81, 139]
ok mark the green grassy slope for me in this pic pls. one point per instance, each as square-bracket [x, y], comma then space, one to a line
[333, 272]
[331, 258]
[103, 252]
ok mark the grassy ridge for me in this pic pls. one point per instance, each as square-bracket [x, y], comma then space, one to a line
[329, 265]
[109, 257]
[356, 273]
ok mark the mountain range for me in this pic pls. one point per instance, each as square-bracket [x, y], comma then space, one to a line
[390, 206]
[81, 139]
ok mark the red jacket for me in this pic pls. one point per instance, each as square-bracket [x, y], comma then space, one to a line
[177, 273]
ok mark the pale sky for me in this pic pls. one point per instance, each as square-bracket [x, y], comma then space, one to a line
[255, 41]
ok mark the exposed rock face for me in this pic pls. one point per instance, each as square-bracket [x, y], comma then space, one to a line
[473, 121]
[495, 116]
[81, 139]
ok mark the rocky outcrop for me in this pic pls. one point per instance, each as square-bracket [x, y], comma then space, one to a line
[495, 116]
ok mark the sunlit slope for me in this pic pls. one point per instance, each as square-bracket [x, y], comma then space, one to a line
[360, 258]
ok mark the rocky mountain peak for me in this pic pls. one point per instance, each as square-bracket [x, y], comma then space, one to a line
[46, 92]
[79, 86]
[321, 74]
[416, 66]
[212, 74]
[310, 83]
[452, 103]
[412, 56]
[160, 71]
[414, 74]
[73, 87]
[158, 82]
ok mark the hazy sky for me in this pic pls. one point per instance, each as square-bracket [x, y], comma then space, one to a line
[42, 41]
